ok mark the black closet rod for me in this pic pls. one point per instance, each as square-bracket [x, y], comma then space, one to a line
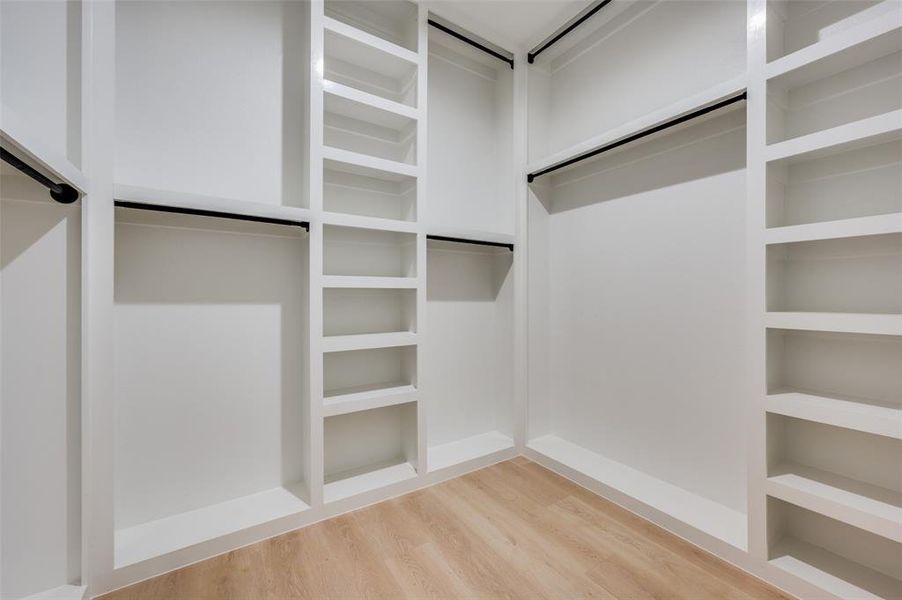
[555, 37]
[473, 43]
[444, 238]
[639, 135]
[210, 213]
[61, 192]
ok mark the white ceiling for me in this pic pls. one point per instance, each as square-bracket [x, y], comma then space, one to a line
[519, 22]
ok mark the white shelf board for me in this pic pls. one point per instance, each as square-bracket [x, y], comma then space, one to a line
[371, 100]
[167, 198]
[156, 538]
[866, 132]
[859, 415]
[370, 162]
[876, 324]
[348, 400]
[835, 574]
[461, 451]
[705, 515]
[364, 222]
[831, 230]
[834, 54]
[368, 481]
[862, 505]
[373, 42]
[691, 104]
[367, 341]
[63, 592]
[472, 234]
[30, 148]
[366, 282]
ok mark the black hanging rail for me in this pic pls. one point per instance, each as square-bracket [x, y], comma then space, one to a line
[639, 135]
[444, 238]
[210, 213]
[61, 192]
[565, 29]
[467, 40]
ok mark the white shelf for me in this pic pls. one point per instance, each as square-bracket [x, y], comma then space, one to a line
[707, 98]
[366, 282]
[63, 592]
[364, 222]
[156, 538]
[461, 451]
[369, 481]
[869, 507]
[361, 398]
[831, 230]
[847, 413]
[833, 573]
[32, 150]
[875, 324]
[368, 341]
[866, 132]
[369, 162]
[371, 100]
[857, 46]
[166, 198]
[373, 42]
[705, 515]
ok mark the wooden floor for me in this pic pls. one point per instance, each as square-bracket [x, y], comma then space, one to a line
[513, 530]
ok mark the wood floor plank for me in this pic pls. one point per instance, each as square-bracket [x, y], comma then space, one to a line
[513, 530]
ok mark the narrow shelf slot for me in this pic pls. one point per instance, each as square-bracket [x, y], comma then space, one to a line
[394, 21]
[363, 375]
[863, 415]
[369, 162]
[368, 253]
[879, 129]
[366, 192]
[348, 486]
[365, 397]
[351, 125]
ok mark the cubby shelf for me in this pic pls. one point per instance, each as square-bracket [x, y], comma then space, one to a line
[63, 592]
[471, 448]
[167, 198]
[700, 513]
[156, 538]
[875, 324]
[368, 481]
[367, 341]
[830, 230]
[371, 162]
[376, 43]
[364, 222]
[367, 282]
[866, 132]
[371, 100]
[860, 415]
[835, 574]
[838, 53]
[348, 400]
[869, 507]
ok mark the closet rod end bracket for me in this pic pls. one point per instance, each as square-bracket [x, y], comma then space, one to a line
[66, 194]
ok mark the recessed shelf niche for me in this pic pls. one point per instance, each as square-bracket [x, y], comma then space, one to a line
[357, 190]
[365, 252]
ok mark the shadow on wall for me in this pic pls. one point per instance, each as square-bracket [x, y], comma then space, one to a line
[697, 150]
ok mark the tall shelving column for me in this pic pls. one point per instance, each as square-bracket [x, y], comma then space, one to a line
[825, 174]
[367, 254]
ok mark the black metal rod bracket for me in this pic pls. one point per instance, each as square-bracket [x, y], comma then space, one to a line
[444, 238]
[61, 192]
[210, 213]
[639, 135]
[471, 42]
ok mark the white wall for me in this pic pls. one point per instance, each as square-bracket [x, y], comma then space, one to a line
[41, 439]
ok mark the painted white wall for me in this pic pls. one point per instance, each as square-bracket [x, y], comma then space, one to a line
[208, 371]
[41, 420]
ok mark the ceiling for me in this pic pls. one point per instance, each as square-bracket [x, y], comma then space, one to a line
[522, 23]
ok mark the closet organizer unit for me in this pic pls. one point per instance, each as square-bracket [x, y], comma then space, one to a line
[211, 261]
[637, 154]
[40, 300]
[833, 212]
[468, 347]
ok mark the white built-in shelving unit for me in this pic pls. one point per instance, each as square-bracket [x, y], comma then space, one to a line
[826, 217]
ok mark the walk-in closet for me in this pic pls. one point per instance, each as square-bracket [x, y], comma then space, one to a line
[450, 298]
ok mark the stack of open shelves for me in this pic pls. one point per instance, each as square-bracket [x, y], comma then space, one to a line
[830, 179]
[366, 179]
